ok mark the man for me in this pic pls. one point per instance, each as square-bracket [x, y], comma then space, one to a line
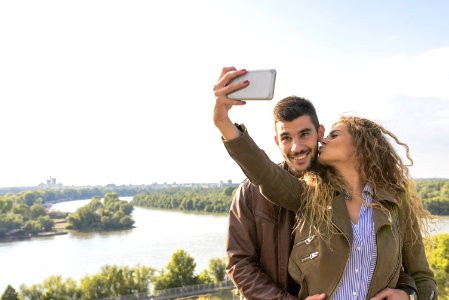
[260, 233]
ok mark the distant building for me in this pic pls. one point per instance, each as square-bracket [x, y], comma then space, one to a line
[51, 180]
[51, 184]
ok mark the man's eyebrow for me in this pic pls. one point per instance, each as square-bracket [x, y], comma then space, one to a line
[305, 130]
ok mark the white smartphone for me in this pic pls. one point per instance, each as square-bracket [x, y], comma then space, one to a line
[261, 85]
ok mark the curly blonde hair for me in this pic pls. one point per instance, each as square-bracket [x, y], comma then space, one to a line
[378, 164]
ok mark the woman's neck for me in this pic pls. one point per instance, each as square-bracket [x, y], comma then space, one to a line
[352, 179]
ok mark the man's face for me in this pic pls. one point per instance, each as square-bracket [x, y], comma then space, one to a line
[298, 142]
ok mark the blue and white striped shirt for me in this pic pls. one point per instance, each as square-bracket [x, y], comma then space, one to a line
[362, 259]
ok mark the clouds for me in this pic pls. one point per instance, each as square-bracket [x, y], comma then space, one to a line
[113, 92]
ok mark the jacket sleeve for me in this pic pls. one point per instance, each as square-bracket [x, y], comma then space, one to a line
[406, 281]
[276, 184]
[242, 253]
[414, 257]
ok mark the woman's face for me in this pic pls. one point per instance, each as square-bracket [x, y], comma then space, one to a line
[337, 149]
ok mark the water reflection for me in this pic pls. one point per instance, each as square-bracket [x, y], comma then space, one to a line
[157, 235]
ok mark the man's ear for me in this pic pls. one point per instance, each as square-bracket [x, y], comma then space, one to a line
[321, 133]
[276, 140]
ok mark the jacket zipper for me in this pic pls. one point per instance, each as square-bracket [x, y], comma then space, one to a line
[310, 257]
[304, 241]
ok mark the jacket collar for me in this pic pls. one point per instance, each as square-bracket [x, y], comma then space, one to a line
[381, 217]
[382, 196]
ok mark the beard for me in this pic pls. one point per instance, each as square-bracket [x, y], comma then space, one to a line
[299, 172]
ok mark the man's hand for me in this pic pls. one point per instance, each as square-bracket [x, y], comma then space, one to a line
[391, 294]
[317, 297]
[223, 104]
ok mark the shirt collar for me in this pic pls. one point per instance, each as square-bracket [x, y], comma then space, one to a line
[367, 192]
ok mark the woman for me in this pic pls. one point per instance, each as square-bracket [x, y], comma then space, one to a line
[359, 219]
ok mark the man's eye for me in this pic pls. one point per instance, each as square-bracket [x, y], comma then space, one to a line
[305, 134]
[285, 138]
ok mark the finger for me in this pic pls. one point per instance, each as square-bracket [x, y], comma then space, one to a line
[223, 92]
[383, 294]
[227, 77]
[228, 101]
[226, 70]
[316, 297]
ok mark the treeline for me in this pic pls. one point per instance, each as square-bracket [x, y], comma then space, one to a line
[67, 194]
[109, 214]
[114, 281]
[213, 200]
[23, 215]
[435, 195]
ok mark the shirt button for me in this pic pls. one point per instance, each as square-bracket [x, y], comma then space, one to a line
[354, 294]
[359, 248]
[356, 270]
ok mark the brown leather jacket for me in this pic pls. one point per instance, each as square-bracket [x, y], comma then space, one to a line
[258, 246]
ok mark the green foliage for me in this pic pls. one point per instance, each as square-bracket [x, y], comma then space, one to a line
[179, 272]
[23, 211]
[215, 200]
[215, 272]
[54, 287]
[113, 281]
[10, 294]
[437, 251]
[217, 269]
[111, 214]
[435, 195]
[66, 194]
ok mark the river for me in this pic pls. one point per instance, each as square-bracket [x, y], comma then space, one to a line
[157, 235]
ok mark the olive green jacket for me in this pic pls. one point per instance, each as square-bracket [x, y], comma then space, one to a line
[317, 264]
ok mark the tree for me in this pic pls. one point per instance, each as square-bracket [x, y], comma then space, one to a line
[111, 214]
[29, 197]
[228, 191]
[113, 281]
[10, 294]
[179, 272]
[54, 287]
[37, 210]
[437, 252]
[217, 269]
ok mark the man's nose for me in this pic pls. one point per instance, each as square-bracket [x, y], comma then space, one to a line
[297, 146]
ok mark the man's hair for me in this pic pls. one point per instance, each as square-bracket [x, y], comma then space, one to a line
[293, 107]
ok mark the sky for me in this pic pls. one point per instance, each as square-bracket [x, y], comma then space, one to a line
[105, 91]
